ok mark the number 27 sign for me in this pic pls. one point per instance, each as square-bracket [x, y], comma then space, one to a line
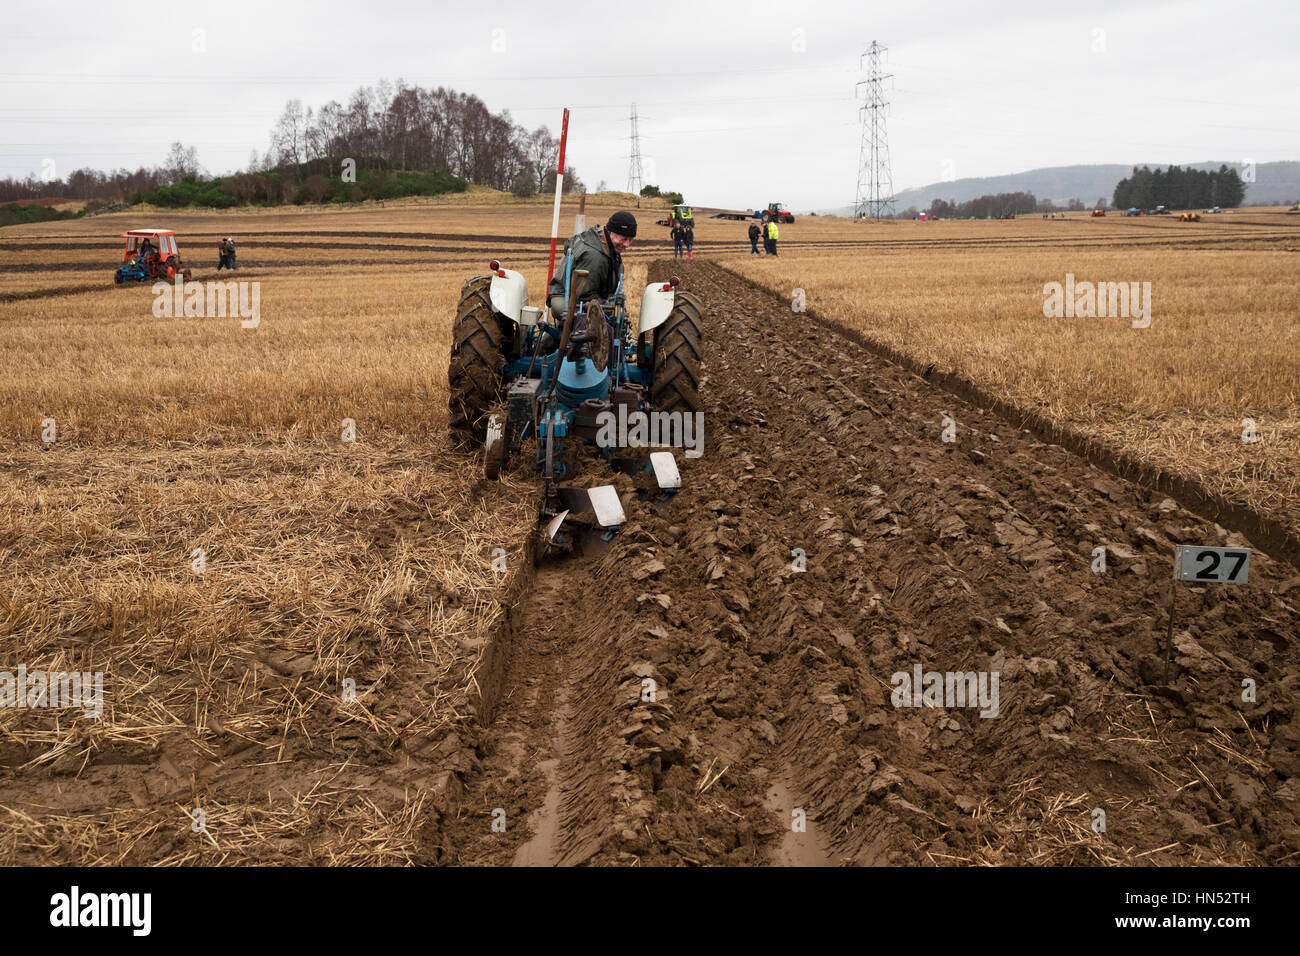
[1221, 565]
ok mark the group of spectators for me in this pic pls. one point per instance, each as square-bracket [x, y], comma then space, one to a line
[769, 234]
[226, 254]
[683, 235]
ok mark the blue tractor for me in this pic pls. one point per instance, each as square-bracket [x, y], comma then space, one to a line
[597, 384]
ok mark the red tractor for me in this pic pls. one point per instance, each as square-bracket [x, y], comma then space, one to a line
[150, 254]
[774, 210]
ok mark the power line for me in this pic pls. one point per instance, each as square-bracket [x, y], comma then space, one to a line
[252, 80]
[43, 112]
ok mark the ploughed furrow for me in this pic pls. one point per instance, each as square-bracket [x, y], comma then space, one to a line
[976, 556]
[728, 683]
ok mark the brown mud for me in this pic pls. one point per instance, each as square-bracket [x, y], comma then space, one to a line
[717, 686]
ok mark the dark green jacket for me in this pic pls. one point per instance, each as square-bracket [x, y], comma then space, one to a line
[591, 251]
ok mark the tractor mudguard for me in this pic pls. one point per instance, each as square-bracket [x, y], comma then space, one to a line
[509, 293]
[656, 305]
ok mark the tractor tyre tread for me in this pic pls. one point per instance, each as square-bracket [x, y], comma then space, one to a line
[477, 358]
[677, 357]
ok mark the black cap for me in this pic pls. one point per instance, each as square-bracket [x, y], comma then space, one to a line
[622, 223]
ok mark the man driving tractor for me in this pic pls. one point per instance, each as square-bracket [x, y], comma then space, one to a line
[600, 252]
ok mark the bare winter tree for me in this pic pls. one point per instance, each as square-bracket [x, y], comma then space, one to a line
[360, 133]
[289, 139]
[406, 137]
[440, 111]
[471, 119]
[542, 151]
[327, 131]
[182, 161]
[572, 184]
[504, 157]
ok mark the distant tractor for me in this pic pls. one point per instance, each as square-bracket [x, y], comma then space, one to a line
[774, 210]
[150, 254]
[1098, 212]
[681, 214]
[1189, 217]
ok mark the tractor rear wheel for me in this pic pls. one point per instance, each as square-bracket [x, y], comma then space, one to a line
[677, 348]
[478, 344]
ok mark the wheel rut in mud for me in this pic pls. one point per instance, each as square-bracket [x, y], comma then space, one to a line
[723, 684]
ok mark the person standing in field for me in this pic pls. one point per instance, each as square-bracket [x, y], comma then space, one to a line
[772, 234]
[754, 233]
[678, 238]
[688, 237]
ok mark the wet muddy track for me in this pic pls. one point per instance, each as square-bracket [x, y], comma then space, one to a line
[715, 688]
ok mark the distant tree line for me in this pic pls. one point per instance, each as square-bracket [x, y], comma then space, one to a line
[994, 207]
[655, 192]
[14, 214]
[399, 139]
[1185, 188]
[984, 207]
[408, 128]
[117, 185]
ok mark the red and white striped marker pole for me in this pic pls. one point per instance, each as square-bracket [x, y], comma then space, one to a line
[559, 188]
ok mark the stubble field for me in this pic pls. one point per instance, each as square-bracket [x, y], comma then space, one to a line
[326, 561]
[967, 297]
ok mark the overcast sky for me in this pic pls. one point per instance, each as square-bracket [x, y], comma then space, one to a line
[740, 103]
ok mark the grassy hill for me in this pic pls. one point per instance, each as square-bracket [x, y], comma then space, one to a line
[1275, 183]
